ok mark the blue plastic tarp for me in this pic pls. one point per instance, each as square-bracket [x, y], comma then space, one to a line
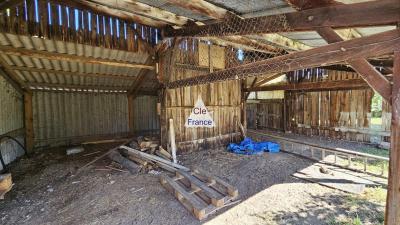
[250, 147]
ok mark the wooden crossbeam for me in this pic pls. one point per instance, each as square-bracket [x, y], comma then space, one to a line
[141, 77]
[205, 8]
[36, 85]
[69, 73]
[67, 57]
[201, 7]
[374, 78]
[145, 10]
[314, 86]
[374, 45]
[383, 12]
[104, 10]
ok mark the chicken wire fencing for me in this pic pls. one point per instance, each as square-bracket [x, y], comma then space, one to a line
[232, 48]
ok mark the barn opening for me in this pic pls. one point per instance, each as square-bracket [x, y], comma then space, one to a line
[199, 112]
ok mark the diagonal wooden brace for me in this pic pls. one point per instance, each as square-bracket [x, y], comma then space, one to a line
[373, 77]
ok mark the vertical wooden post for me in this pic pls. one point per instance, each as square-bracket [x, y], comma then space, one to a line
[392, 216]
[131, 114]
[28, 117]
[243, 119]
[172, 140]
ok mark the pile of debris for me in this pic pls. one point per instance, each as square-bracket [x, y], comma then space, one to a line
[145, 154]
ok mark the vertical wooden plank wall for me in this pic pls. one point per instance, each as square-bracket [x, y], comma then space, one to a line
[340, 114]
[222, 99]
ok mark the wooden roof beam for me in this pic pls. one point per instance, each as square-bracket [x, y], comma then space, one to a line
[374, 45]
[44, 86]
[201, 7]
[374, 78]
[104, 10]
[314, 86]
[140, 78]
[142, 9]
[69, 73]
[281, 42]
[213, 11]
[383, 12]
[67, 57]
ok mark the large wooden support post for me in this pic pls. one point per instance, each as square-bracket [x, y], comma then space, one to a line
[392, 216]
[131, 114]
[28, 110]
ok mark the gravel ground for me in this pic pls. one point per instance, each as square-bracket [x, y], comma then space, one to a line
[46, 193]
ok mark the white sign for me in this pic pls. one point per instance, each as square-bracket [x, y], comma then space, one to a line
[200, 117]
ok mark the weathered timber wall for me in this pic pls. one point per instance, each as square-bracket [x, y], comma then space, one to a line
[267, 114]
[222, 99]
[11, 121]
[340, 114]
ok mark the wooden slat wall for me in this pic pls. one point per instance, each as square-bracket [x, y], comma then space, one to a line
[53, 22]
[222, 99]
[340, 114]
[266, 114]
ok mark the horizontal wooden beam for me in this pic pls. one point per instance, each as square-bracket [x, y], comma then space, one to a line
[374, 45]
[104, 10]
[382, 12]
[39, 86]
[201, 7]
[68, 73]
[145, 10]
[67, 57]
[314, 86]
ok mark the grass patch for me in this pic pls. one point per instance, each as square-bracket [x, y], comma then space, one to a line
[376, 121]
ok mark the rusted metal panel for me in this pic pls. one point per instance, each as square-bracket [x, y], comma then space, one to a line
[59, 118]
[11, 118]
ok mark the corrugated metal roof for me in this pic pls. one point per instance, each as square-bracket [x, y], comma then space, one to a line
[35, 43]
[251, 6]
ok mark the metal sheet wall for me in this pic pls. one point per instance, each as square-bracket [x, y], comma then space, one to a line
[59, 118]
[11, 118]
[145, 114]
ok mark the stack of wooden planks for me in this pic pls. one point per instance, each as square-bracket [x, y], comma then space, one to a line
[144, 154]
[201, 193]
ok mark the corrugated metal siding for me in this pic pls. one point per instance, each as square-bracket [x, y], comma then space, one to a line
[11, 118]
[60, 117]
[145, 114]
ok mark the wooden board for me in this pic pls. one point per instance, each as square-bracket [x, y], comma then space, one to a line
[199, 192]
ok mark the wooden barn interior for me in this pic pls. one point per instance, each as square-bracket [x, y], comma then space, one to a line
[200, 112]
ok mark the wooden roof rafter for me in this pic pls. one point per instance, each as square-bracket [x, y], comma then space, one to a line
[383, 12]
[68, 57]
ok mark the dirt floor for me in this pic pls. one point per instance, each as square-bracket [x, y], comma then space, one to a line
[46, 193]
